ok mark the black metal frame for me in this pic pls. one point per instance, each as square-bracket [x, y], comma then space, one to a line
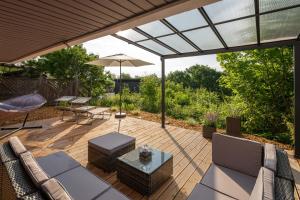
[16, 129]
[292, 42]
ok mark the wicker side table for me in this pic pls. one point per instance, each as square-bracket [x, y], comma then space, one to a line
[104, 150]
[145, 176]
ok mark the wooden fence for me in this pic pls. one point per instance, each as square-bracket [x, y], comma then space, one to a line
[49, 88]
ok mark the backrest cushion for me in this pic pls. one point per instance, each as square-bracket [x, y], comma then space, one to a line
[270, 159]
[17, 145]
[238, 154]
[33, 169]
[55, 191]
[264, 187]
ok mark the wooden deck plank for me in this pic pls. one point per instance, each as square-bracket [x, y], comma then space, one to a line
[191, 152]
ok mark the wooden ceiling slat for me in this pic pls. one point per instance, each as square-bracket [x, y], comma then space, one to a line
[143, 4]
[157, 2]
[37, 22]
[92, 11]
[49, 32]
[129, 6]
[40, 12]
[114, 8]
[85, 16]
[65, 14]
[102, 9]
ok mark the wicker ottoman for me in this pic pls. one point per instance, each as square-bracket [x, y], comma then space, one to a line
[104, 150]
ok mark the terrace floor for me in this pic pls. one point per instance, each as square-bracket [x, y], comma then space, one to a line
[192, 153]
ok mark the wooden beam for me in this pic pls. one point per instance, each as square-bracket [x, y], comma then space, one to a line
[297, 98]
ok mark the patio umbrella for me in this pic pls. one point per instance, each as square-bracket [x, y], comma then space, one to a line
[119, 60]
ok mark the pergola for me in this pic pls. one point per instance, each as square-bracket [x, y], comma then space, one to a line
[167, 28]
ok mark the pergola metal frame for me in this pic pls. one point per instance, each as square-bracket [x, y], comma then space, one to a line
[259, 45]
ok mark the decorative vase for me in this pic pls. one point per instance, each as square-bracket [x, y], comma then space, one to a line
[207, 131]
[233, 126]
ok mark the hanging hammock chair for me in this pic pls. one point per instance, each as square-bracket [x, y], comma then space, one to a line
[22, 104]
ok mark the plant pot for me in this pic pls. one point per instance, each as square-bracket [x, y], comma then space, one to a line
[233, 126]
[207, 131]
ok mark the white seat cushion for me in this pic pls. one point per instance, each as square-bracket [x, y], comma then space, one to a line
[55, 191]
[264, 187]
[270, 159]
[33, 169]
[17, 146]
[229, 182]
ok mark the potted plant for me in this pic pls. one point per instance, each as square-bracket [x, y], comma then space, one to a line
[209, 124]
[233, 123]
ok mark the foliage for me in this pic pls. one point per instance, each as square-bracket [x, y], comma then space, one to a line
[70, 63]
[197, 76]
[210, 119]
[263, 80]
[150, 93]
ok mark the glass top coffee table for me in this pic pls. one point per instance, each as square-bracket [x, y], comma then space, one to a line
[145, 176]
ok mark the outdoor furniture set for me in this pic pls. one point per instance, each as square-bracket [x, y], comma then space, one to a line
[244, 169]
[115, 151]
[56, 176]
[78, 106]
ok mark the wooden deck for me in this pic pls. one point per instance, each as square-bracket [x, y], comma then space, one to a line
[192, 153]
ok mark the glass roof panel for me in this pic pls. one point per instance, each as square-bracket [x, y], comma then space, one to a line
[229, 9]
[131, 35]
[177, 43]
[155, 29]
[238, 33]
[187, 20]
[150, 44]
[204, 38]
[268, 5]
[280, 25]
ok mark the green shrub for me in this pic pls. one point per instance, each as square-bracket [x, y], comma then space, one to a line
[191, 121]
[150, 94]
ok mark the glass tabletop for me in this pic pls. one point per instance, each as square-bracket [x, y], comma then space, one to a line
[158, 158]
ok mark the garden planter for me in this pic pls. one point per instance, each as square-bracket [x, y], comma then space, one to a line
[207, 131]
[233, 126]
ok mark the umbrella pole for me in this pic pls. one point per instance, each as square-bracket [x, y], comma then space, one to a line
[120, 103]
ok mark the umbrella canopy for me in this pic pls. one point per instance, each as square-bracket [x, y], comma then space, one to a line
[119, 60]
[115, 60]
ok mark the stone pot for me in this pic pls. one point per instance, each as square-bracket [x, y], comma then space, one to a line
[233, 126]
[207, 131]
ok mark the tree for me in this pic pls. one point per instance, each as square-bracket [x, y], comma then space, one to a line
[150, 93]
[197, 76]
[70, 63]
[263, 79]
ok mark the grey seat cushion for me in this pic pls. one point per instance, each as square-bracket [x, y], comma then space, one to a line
[238, 154]
[17, 146]
[202, 192]
[82, 184]
[57, 163]
[229, 182]
[112, 194]
[110, 143]
[270, 159]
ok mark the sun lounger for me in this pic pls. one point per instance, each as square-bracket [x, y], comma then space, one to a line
[90, 111]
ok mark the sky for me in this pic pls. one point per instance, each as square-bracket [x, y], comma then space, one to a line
[109, 45]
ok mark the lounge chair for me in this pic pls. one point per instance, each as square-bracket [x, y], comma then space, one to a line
[244, 169]
[45, 177]
[22, 104]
